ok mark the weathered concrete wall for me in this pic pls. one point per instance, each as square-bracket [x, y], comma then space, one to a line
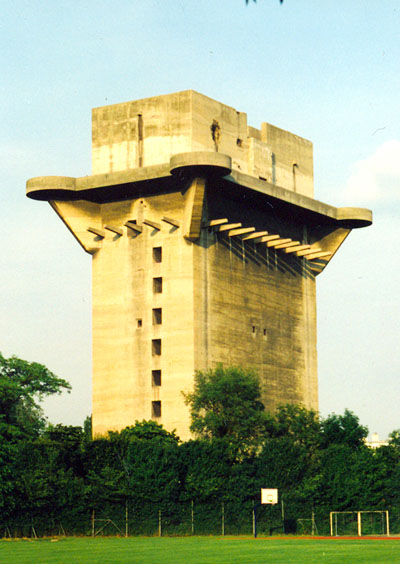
[149, 131]
[259, 310]
[124, 324]
[222, 300]
[123, 300]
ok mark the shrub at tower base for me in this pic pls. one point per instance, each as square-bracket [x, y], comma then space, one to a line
[144, 480]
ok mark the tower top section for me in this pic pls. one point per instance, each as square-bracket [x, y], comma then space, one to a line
[160, 143]
[150, 131]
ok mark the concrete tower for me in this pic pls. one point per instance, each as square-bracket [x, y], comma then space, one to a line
[206, 243]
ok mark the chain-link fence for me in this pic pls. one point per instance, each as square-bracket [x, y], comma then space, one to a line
[186, 518]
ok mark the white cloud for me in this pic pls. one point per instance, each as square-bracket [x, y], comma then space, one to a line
[375, 181]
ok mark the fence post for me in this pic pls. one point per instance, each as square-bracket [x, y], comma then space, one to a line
[126, 518]
[312, 521]
[192, 517]
[159, 523]
[93, 523]
[223, 519]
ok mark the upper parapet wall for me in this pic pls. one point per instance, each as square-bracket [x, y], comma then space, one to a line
[150, 131]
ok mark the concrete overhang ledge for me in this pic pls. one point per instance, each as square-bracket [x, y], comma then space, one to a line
[205, 162]
[180, 168]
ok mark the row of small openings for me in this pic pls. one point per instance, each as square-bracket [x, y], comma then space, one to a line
[254, 330]
[157, 281]
[156, 343]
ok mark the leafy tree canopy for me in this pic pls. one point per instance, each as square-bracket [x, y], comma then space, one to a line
[66, 434]
[343, 429]
[296, 423]
[394, 438]
[225, 404]
[145, 430]
[22, 386]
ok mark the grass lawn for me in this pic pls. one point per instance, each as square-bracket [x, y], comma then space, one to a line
[198, 550]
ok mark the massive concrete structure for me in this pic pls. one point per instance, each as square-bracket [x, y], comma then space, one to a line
[206, 242]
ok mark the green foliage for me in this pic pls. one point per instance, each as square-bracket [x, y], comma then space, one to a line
[66, 442]
[207, 468]
[57, 474]
[282, 463]
[343, 430]
[146, 430]
[69, 435]
[87, 428]
[225, 404]
[140, 463]
[394, 438]
[22, 385]
[154, 471]
[296, 423]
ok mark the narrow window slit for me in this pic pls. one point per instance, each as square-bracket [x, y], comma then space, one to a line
[157, 285]
[157, 254]
[156, 347]
[156, 378]
[157, 316]
[156, 408]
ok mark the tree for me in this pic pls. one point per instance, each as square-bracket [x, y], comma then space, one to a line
[225, 404]
[22, 386]
[87, 429]
[394, 438]
[343, 430]
[295, 422]
[138, 466]
[207, 469]
[67, 443]
[146, 430]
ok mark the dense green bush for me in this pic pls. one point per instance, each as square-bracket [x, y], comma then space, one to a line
[55, 479]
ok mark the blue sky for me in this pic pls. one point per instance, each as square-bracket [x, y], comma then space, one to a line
[328, 71]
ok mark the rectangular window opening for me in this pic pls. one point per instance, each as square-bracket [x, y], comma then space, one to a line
[157, 316]
[139, 322]
[156, 377]
[265, 332]
[254, 328]
[156, 347]
[157, 254]
[156, 408]
[157, 285]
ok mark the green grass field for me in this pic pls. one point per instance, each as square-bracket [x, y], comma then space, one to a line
[198, 550]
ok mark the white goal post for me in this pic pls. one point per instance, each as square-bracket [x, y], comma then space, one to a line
[334, 519]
